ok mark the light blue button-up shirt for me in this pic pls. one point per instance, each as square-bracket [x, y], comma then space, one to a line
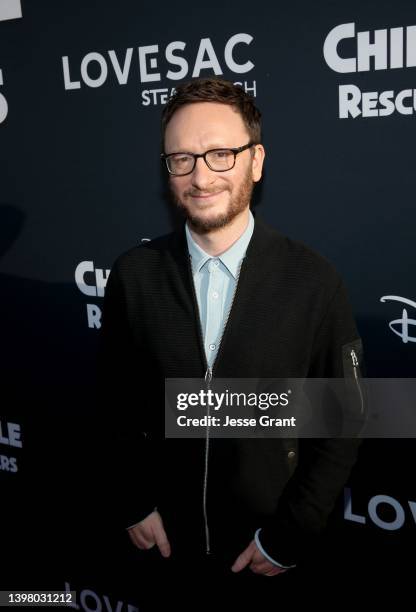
[215, 280]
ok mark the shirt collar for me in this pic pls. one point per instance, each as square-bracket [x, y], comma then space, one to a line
[231, 258]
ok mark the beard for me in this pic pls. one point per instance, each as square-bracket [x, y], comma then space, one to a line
[236, 205]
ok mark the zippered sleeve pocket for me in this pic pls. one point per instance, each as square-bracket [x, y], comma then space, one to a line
[352, 359]
[357, 401]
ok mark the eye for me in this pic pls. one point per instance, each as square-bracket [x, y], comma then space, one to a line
[221, 153]
[180, 158]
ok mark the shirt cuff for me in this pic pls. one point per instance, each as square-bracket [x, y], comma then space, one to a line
[268, 557]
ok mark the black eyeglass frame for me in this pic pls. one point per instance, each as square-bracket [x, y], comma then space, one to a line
[235, 151]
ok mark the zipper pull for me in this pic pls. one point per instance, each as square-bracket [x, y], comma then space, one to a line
[208, 375]
[354, 358]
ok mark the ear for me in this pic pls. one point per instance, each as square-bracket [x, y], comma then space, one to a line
[257, 162]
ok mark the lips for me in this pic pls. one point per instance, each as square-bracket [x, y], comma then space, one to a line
[203, 196]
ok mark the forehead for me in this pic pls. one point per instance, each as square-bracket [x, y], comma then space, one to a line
[203, 125]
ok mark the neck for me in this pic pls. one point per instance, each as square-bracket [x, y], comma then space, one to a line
[220, 240]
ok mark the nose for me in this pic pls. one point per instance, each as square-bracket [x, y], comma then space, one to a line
[202, 176]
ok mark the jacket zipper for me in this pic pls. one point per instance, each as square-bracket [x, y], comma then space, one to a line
[208, 379]
[355, 365]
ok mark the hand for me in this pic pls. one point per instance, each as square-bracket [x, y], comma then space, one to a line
[258, 562]
[150, 531]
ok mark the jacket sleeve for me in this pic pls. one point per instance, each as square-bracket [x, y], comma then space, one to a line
[324, 465]
[128, 453]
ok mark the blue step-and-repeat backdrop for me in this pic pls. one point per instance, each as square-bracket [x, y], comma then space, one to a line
[82, 86]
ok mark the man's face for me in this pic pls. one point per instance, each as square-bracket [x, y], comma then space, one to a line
[210, 199]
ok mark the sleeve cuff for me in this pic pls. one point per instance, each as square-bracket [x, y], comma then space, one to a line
[134, 524]
[268, 557]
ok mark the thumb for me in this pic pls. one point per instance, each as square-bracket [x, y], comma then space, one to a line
[243, 560]
[162, 541]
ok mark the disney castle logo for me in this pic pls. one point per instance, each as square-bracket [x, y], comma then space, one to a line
[401, 326]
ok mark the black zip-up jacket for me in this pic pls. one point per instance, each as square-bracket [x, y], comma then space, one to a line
[290, 318]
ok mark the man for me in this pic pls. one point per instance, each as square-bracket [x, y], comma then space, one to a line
[225, 296]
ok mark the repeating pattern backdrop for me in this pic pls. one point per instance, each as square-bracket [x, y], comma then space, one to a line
[82, 85]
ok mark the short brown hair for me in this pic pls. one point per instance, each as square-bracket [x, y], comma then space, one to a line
[215, 90]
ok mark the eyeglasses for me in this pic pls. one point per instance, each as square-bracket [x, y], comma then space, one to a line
[218, 160]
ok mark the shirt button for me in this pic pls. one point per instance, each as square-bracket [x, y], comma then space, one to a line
[216, 262]
[212, 347]
[215, 294]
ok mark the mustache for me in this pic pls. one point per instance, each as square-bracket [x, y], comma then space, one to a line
[199, 192]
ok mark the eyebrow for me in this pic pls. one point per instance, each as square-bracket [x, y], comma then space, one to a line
[210, 148]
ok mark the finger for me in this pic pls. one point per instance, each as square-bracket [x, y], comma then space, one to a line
[140, 540]
[275, 572]
[162, 541]
[243, 560]
[261, 563]
[263, 567]
[259, 568]
[136, 541]
[145, 544]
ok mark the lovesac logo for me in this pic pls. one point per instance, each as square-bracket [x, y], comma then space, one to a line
[95, 69]
[400, 327]
[384, 511]
[91, 281]
[88, 600]
[388, 49]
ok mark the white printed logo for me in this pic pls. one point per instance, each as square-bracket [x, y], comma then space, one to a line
[3, 102]
[91, 601]
[10, 9]
[385, 55]
[96, 69]
[404, 322]
[373, 509]
[100, 277]
[10, 435]
[386, 49]
[91, 281]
